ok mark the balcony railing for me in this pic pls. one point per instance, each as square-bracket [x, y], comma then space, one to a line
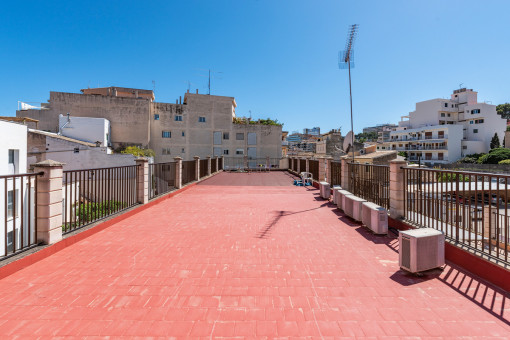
[371, 182]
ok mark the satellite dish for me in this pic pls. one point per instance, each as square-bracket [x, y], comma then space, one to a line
[347, 140]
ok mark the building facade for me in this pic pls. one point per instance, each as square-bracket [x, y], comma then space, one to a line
[445, 130]
[199, 125]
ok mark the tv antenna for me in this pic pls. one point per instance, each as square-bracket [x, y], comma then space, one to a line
[460, 85]
[345, 59]
[189, 84]
[211, 74]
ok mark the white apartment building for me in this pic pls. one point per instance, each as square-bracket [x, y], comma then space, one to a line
[15, 192]
[86, 129]
[445, 130]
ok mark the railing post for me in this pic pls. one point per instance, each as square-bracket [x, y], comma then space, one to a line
[142, 180]
[178, 172]
[49, 201]
[307, 164]
[322, 169]
[345, 174]
[397, 189]
[208, 165]
[328, 170]
[197, 167]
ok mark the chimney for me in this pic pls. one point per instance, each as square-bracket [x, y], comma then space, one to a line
[180, 99]
[197, 91]
[187, 91]
[177, 101]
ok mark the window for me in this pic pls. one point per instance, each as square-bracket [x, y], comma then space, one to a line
[10, 203]
[440, 134]
[428, 135]
[225, 135]
[471, 122]
[440, 156]
[475, 130]
[217, 137]
[475, 111]
[225, 152]
[11, 156]
[201, 119]
[156, 116]
[464, 147]
[479, 121]
[182, 151]
[239, 136]
[76, 150]
[178, 118]
[239, 152]
[442, 114]
[252, 138]
[165, 151]
[448, 115]
[445, 104]
[166, 134]
[183, 134]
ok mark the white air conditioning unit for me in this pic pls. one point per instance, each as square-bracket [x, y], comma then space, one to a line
[341, 198]
[335, 193]
[421, 249]
[375, 218]
[325, 190]
[354, 206]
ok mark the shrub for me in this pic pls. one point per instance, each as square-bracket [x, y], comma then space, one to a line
[138, 152]
[90, 211]
[506, 161]
[451, 177]
[495, 156]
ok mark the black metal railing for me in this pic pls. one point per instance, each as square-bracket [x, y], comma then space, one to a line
[302, 165]
[213, 165]
[19, 213]
[313, 168]
[371, 182]
[93, 194]
[161, 178]
[188, 172]
[471, 208]
[336, 173]
[204, 164]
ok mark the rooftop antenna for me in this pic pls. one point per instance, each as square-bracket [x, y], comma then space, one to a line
[345, 59]
[211, 74]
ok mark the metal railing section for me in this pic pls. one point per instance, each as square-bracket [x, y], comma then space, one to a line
[213, 165]
[470, 208]
[19, 212]
[161, 178]
[336, 173]
[204, 163]
[93, 194]
[302, 165]
[371, 182]
[188, 172]
[313, 168]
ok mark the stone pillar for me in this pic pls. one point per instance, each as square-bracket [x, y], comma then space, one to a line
[345, 174]
[208, 165]
[49, 201]
[245, 162]
[142, 180]
[397, 190]
[322, 169]
[307, 164]
[178, 172]
[298, 165]
[328, 170]
[197, 167]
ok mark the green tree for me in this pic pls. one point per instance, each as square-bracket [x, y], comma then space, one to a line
[495, 156]
[503, 110]
[495, 141]
[139, 152]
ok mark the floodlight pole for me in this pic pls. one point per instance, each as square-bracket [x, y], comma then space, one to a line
[350, 98]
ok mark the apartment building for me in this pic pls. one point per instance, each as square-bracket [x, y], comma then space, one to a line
[199, 125]
[445, 130]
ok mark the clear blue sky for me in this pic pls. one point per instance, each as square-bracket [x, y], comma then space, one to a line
[278, 57]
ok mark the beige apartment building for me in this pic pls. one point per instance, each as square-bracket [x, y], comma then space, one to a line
[200, 125]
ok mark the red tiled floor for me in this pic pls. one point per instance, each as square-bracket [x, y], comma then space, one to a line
[259, 258]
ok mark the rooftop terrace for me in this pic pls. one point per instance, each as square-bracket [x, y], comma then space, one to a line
[243, 255]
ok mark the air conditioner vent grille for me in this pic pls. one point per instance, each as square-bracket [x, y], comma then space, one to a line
[405, 249]
[428, 247]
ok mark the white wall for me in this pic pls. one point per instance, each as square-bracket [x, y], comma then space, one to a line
[85, 128]
[13, 136]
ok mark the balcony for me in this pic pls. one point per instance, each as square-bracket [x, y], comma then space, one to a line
[241, 255]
